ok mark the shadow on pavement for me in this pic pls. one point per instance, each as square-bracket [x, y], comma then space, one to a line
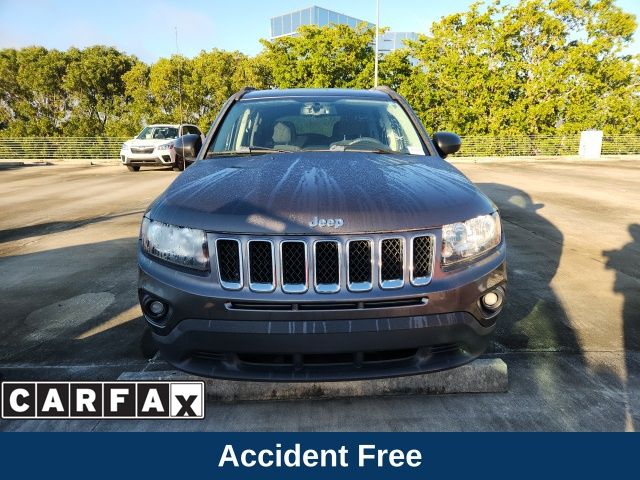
[47, 228]
[626, 263]
[535, 320]
[73, 308]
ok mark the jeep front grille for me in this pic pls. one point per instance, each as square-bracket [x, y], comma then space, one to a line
[324, 265]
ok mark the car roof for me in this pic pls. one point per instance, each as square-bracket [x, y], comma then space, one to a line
[316, 92]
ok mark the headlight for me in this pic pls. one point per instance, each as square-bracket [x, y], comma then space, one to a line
[166, 146]
[124, 147]
[180, 245]
[465, 240]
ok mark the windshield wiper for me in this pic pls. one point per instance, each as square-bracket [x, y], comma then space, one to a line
[358, 148]
[247, 151]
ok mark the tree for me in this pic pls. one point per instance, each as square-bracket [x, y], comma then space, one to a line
[335, 56]
[215, 76]
[95, 86]
[535, 67]
[32, 99]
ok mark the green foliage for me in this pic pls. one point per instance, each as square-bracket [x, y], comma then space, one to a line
[322, 57]
[535, 67]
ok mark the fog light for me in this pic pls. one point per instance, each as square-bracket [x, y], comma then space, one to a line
[156, 308]
[493, 300]
[490, 299]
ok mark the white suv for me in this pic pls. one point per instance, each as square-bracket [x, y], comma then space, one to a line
[154, 146]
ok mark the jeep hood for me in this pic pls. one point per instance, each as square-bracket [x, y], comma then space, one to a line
[282, 193]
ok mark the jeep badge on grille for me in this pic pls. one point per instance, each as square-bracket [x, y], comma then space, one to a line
[326, 222]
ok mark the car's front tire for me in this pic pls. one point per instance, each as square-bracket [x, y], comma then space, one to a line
[133, 168]
[179, 164]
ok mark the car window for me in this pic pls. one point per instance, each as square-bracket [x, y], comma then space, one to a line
[158, 133]
[307, 124]
[190, 129]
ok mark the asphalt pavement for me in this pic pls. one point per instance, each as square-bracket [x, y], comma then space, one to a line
[570, 333]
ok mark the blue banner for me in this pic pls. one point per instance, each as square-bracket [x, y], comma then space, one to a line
[300, 455]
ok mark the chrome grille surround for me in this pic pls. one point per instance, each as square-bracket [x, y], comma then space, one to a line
[417, 256]
[322, 267]
[389, 280]
[356, 267]
[359, 284]
[266, 269]
[293, 287]
[228, 279]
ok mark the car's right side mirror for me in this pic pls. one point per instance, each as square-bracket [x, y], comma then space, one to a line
[446, 143]
[188, 146]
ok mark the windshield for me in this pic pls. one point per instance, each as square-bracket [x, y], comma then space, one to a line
[158, 133]
[307, 124]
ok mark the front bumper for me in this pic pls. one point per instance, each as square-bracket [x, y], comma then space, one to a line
[161, 158]
[206, 334]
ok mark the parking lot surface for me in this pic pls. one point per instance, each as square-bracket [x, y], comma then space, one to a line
[570, 333]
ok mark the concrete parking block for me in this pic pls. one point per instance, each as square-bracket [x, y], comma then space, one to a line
[488, 375]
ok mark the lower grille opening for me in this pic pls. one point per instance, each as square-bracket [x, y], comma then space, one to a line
[389, 355]
[266, 358]
[259, 306]
[209, 355]
[405, 302]
[315, 359]
[444, 348]
[328, 306]
[316, 306]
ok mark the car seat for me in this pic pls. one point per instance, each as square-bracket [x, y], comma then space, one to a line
[284, 136]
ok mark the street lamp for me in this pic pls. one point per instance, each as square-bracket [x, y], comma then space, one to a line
[375, 74]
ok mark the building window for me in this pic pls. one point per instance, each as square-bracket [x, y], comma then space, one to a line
[286, 24]
[276, 26]
[323, 17]
[295, 21]
[305, 17]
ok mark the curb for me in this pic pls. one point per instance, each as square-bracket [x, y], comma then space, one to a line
[485, 375]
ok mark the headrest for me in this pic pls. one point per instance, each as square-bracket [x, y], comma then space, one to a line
[282, 134]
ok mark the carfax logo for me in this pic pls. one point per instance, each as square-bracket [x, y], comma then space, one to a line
[115, 400]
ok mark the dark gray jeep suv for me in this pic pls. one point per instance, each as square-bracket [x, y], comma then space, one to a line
[320, 235]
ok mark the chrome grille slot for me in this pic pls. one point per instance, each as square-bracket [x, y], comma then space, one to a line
[261, 266]
[421, 259]
[360, 265]
[391, 263]
[327, 266]
[293, 258]
[228, 253]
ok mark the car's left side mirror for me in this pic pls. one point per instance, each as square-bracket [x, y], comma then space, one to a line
[446, 143]
[188, 146]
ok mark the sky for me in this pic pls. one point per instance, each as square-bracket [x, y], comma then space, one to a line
[146, 28]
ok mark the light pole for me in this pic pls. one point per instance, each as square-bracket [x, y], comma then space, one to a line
[375, 74]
